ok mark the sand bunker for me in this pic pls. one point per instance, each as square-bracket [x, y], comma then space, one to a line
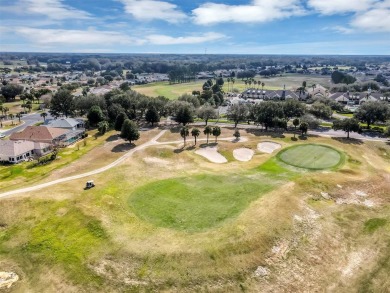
[211, 154]
[243, 154]
[268, 146]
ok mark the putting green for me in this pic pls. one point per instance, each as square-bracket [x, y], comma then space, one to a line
[311, 156]
[197, 202]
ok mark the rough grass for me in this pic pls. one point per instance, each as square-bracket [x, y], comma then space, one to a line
[311, 156]
[54, 233]
[122, 252]
[198, 202]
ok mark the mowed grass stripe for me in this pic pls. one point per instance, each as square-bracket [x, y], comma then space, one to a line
[198, 202]
[311, 156]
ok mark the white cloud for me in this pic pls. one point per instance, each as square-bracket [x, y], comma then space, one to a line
[375, 20]
[146, 10]
[340, 6]
[73, 37]
[255, 12]
[53, 9]
[78, 38]
[369, 15]
[168, 40]
[340, 29]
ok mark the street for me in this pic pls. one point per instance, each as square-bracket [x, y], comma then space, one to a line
[29, 120]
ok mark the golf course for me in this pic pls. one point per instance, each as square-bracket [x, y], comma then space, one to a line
[166, 218]
[311, 156]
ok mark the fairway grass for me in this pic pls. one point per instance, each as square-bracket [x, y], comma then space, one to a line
[173, 91]
[311, 156]
[198, 202]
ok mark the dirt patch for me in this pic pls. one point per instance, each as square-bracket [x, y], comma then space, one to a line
[117, 272]
[7, 279]
[243, 154]
[268, 147]
[156, 161]
[211, 154]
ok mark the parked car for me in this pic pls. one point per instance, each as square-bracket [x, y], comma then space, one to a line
[2, 135]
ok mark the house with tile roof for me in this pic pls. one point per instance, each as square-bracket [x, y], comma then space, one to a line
[18, 151]
[53, 136]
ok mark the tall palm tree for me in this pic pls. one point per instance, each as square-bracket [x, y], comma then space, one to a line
[195, 132]
[184, 132]
[11, 116]
[19, 115]
[208, 130]
[262, 86]
[228, 80]
[44, 115]
[216, 132]
[233, 81]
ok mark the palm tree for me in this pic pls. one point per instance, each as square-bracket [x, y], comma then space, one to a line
[19, 115]
[296, 122]
[184, 133]
[262, 86]
[228, 80]
[5, 109]
[254, 83]
[195, 132]
[216, 132]
[233, 81]
[11, 116]
[44, 115]
[208, 130]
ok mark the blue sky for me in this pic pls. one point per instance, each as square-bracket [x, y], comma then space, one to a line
[172, 26]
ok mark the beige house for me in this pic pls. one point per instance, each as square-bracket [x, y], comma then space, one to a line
[18, 151]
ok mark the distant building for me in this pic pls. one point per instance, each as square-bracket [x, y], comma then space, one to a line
[278, 95]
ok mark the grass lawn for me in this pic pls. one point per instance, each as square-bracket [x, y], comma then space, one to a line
[311, 156]
[197, 202]
[173, 91]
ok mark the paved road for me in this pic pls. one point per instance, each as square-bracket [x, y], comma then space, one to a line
[325, 132]
[29, 120]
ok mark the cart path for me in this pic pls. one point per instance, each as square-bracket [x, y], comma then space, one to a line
[152, 142]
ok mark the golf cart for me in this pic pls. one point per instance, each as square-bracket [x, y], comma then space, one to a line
[89, 184]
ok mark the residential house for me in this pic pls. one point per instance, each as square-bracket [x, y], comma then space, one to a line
[252, 93]
[66, 123]
[75, 128]
[41, 134]
[18, 151]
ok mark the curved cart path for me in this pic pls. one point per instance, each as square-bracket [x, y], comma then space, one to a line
[152, 142]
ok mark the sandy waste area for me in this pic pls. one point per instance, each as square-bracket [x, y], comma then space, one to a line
[243, 154]
[211, 154]
[268, 146]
